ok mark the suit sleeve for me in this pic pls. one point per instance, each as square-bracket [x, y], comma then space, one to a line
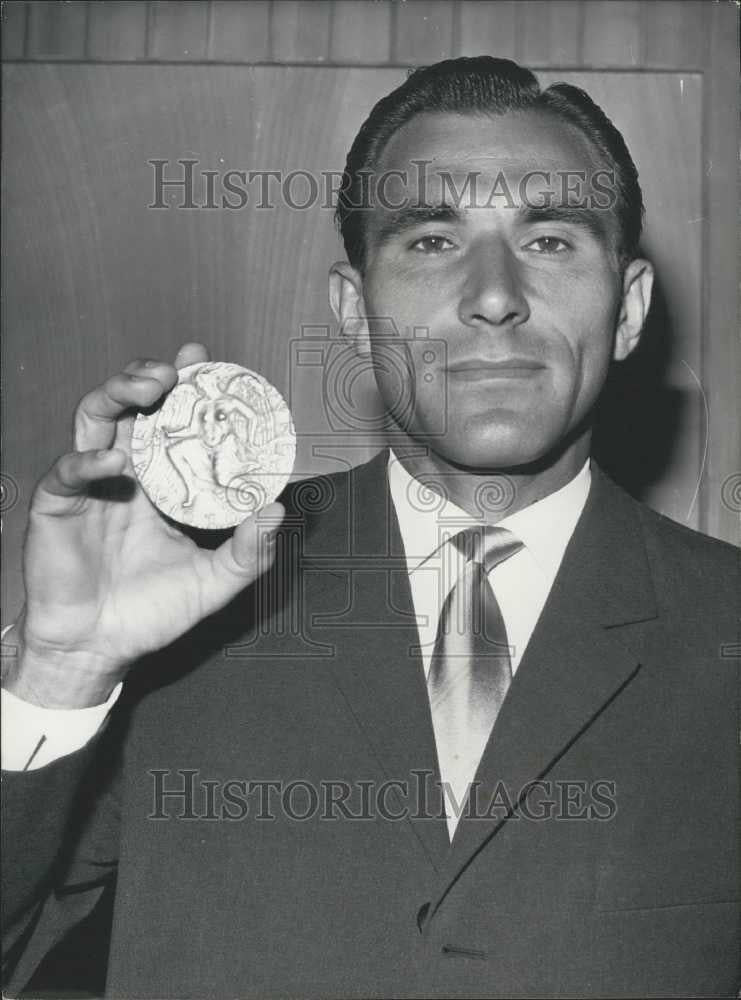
[60, 835]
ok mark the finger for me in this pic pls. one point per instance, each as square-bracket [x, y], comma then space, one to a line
[151, 367]
[243, 557]
[74, 472]
[191, 354]
[98, 411]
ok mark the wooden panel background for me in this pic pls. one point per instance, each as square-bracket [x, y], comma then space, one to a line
[93, 277]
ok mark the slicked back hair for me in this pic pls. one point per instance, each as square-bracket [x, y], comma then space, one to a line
[484, 85]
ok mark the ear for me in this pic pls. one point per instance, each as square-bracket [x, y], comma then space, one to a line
[638, 282]
[346, 301]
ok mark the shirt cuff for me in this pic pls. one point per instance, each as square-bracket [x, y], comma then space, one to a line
[33, 737]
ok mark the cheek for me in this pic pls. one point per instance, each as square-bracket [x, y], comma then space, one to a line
[585, 318]
[409, 298]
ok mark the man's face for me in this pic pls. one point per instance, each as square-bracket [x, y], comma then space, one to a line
[527, 303]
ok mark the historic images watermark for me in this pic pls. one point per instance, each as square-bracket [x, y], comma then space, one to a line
[186, 794]
[186, 184]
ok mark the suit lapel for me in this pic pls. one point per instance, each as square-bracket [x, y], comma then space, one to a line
[575, 663]
[361, 603]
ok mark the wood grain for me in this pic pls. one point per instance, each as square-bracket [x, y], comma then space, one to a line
[550, 34]
[57, 30]
[179, 30]
[361, 31]
[489, 27]
[675, 33]
[613, 33]
[721, 347]
[117, 31]
[13, 22]
[240, 32]
[301, 31]
[424, 31]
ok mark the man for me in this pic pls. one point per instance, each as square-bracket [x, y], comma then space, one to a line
[473, 747]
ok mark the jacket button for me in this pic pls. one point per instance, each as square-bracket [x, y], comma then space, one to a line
[421, 915]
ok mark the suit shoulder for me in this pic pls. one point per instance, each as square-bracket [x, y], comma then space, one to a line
[332, 493]
[308, 501]
[686, 541]
[319, 484]
[689, 563]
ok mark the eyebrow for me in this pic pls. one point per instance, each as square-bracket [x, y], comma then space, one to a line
[399, 221]
[570, 215]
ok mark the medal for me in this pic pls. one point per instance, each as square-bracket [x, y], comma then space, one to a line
[221, 446]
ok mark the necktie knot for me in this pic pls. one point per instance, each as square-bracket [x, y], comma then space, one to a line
[487, 545]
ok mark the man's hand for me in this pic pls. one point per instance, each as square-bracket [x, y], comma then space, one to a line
[107, 578]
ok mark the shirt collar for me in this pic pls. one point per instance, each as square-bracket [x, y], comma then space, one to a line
[426, 519]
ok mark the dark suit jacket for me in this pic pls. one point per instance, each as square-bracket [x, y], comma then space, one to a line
[624, 705]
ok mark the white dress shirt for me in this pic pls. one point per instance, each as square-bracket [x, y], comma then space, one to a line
[521, 584]
[33, 736]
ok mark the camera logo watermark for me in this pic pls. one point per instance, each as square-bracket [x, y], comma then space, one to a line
[411, 367]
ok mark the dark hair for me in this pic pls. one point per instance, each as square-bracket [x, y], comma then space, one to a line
[484, 85]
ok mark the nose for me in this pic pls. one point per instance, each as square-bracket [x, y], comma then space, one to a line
[492, 295]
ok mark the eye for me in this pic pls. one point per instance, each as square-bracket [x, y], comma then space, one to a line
[549, 245]
[432, 244]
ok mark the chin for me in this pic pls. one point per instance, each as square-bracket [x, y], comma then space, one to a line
[484, 455]
[501, 447]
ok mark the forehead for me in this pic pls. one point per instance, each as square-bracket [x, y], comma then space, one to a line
[507, 147]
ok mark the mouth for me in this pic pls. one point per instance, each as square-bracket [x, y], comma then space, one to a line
[480, 369]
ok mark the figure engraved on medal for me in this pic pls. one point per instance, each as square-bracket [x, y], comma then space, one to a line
[221, 446]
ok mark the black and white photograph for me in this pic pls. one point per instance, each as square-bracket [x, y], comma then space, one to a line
[370, 499]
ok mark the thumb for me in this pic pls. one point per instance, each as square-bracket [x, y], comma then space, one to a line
[246, 555]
